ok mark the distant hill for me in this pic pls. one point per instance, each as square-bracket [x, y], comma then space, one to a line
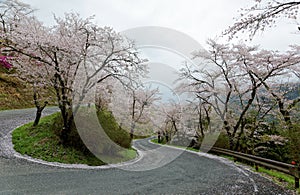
[291, 93]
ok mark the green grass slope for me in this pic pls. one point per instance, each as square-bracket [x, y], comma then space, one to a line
[43, 142]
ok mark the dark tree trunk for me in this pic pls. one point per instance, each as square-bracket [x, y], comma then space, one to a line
[132, 130]
[200, 122]
[39, 108]
[133, 117]
[67, 116]
[231, 143]
[158, 137]
[229, 134]
[238, 141]
[38, 115]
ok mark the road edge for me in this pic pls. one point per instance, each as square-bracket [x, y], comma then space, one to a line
[10, 147]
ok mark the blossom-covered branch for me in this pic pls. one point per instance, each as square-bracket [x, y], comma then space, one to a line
[263, 14]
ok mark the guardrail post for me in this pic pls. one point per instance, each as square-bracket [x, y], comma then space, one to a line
[256, 166]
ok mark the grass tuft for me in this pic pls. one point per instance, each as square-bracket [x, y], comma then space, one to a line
[281, 178]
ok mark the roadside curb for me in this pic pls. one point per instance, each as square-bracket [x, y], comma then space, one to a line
[16, 154]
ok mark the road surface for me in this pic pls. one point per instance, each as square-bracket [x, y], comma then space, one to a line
[160, 170]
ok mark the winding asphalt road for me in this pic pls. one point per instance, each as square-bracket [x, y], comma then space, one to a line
[160, 170]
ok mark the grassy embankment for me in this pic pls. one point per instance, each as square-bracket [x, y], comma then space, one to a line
[43, 142]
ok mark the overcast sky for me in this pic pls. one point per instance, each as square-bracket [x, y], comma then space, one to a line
[200, 19]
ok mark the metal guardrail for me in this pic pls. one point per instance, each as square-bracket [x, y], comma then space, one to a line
[289, 169]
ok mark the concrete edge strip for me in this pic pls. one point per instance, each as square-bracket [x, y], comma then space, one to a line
[70, 166]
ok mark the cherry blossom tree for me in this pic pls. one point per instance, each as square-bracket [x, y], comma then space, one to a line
[73, 47]
[105, 93]
[230, 79]
[134, 106]
[199, 112]
[262, 15]
[33, 74]
[142, 100]
[11, 13]
[173, 122]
